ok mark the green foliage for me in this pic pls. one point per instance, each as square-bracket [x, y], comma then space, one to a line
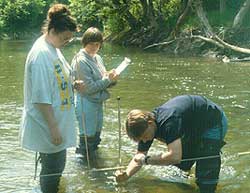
[226, 17]
[1, 29]
[115, 20]
[88, 12]
[212, 5]
[170, 11]
[2, 3]
[115, 16]
[22, 15]
[221, 19]
[115, 24]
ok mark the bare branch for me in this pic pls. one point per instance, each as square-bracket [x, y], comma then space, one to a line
[232, 47]
[181, 19]
[159, 44]
[209, 40]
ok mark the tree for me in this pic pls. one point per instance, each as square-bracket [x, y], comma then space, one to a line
[148, 14]
[222, 6]
[187, 6]
[211, 36]
[22, 16]
[123, 9]
[237, 23]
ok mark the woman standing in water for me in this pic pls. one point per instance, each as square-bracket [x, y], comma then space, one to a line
[90, 68]
[48, 115]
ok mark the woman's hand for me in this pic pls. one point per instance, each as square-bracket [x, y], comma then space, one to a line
[79, 85]
[56, 137]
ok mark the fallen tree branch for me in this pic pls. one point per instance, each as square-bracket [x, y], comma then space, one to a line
[159, 44]
[209, 40]
[225, 59]
[222, 44]
[215, 40]
[209, 31]
[232, 47]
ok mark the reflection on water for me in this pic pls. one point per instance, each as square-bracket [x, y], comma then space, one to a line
[151, 79]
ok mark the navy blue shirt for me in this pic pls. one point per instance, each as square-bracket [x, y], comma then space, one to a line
[186, 117]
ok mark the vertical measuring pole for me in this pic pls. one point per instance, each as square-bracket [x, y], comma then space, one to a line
[36, 164]
[119, 128]
[85, 140]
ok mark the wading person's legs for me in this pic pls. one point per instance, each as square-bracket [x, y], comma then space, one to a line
[51, 164]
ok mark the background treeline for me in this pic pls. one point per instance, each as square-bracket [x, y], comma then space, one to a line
[136, 22]
[21, 18]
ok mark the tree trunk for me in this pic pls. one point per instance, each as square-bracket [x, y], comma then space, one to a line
[211, 37]
[202, 16]
[181, 19]
[148, 13]
[151, 14]
[132, 21]
[241, 15]
[222, 6]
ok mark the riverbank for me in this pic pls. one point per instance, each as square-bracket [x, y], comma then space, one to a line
[186, 44]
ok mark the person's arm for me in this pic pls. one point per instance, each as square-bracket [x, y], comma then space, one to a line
[48, 115]
[133, 167]
[172, 156]
[93, 86]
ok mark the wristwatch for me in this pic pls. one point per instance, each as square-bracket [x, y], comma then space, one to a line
[146, 159]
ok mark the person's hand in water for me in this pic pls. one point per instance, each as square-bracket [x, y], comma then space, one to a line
[121, 176]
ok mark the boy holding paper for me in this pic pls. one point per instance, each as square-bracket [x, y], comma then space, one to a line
[89, 67]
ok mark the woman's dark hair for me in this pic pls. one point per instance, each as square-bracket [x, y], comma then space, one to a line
[59, 18]
[92, 34]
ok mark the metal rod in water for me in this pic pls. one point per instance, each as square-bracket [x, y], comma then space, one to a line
[107, 169]
[213, 156]
[36, 165]
[191, 159]
[123, 167]
[119, 127]
[200, 158]
[86, 140]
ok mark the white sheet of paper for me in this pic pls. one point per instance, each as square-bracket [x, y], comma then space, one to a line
[124, 64]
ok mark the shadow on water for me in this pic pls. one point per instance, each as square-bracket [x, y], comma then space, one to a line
[151, 79]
